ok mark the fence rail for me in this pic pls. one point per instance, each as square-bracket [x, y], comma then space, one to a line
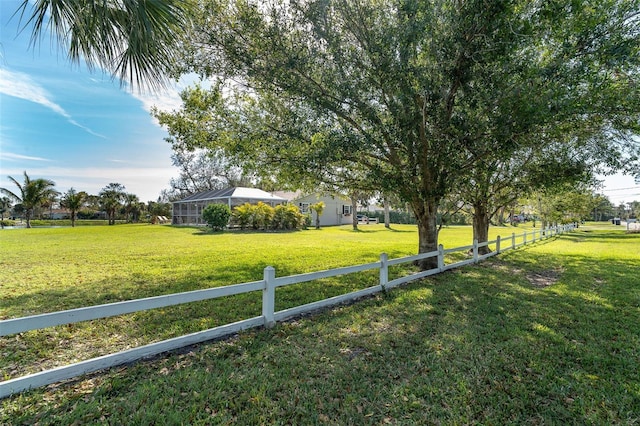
[269, 316]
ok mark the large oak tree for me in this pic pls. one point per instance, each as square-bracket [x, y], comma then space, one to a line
[415, 93]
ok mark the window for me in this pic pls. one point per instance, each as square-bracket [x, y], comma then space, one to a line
[346, 210]
[304, 207]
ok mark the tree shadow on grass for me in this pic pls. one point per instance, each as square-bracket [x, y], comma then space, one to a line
[363, 229]
[478, 345]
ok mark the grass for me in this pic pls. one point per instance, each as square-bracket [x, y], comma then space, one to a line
[545, 335]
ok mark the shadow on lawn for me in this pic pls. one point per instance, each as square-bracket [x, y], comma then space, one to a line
[474, 345]
[617, 235]
[563, 354]
[100, 337]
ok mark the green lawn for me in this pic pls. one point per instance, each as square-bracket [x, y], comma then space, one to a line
[543, 335]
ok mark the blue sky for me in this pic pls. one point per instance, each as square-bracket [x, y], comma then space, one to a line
[78, 128]
[59, 121]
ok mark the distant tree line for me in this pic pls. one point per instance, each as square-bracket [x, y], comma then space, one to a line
[37, 199]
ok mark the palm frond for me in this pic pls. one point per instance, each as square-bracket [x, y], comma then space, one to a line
[136, 41]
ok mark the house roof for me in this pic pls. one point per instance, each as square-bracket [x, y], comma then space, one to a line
[233, 193]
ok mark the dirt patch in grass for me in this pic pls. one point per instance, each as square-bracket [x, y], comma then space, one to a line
[543, 279]
[538, 279]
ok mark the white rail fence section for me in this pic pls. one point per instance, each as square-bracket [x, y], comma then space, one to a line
[269, 316]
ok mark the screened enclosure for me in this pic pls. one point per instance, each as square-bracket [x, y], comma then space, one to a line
[188, 211]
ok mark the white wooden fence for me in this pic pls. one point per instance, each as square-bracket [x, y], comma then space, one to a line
[269, 317]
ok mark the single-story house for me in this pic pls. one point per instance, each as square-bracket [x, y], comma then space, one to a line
[56, 214]
[189, 210]
[337, 209]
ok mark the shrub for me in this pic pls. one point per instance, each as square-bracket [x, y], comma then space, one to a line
[287, 216]
[262, 215]
[216, 215]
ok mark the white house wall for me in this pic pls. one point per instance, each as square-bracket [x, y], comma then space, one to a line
[333, 208]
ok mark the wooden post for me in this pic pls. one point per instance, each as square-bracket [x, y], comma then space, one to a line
[475, 250]
[269, 296]
[534, 236]
[513, 240]
[440, 257]
[524, 238]
[498, 245]
[384, 270]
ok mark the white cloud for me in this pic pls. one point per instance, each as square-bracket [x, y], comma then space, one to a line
[20, 85]
[11, 156]
[145, 182]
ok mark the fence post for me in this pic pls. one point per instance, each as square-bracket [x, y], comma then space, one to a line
[384, 270]
[524, 238]
[498, 245]
[475, 250]
[534, 236]
[513, 240]
[269, 296]
[440, 257]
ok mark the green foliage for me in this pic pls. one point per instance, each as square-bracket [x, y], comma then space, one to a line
[73, 201]
[318, 208]
[111, 198]
[411, 97]
[159, 209]
[217, 216]
[137, 41]
[5, 206]
[567, 204]
[262, 216]
[242, 215]
[32, 194]
[287, 217]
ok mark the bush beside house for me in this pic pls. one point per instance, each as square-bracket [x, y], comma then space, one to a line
[216, 216]
[263, 216]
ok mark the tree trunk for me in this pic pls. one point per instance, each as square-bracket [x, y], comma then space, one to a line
[481, 225]
[426, 212]
[387, 222]
[354, 213]
[27, 216]
[501, 216]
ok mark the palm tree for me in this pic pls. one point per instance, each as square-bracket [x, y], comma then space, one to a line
[5, 206]
[73, 201]
[131, 206]
[32, 194]
[111, 198]
[318, 208]
[136, 40]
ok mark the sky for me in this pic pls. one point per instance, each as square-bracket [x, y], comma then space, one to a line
[81, 129]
